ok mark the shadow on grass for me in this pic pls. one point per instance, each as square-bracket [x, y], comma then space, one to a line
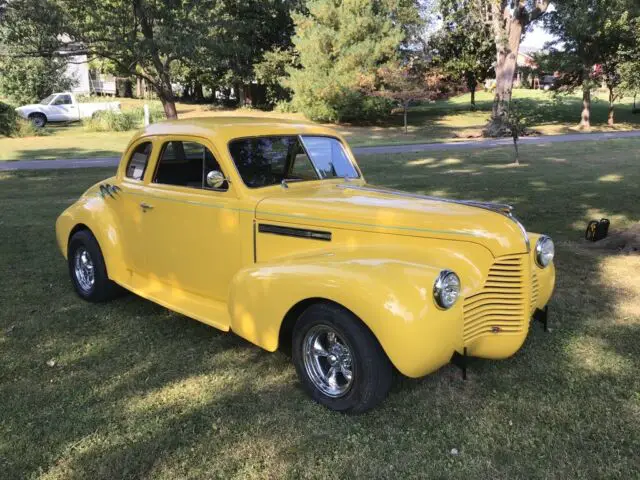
[140, 392]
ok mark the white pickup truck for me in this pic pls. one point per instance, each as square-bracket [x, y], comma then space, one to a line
[62, 107]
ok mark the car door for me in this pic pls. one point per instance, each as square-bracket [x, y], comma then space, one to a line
[126, 203]
[62, 109]
[191, 231]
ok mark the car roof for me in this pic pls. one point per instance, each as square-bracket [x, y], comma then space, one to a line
[227, 127]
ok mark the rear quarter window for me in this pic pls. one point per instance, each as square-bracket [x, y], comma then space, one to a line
[138, 161]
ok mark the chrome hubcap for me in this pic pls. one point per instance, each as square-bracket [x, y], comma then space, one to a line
[83, 269]
[328, 361]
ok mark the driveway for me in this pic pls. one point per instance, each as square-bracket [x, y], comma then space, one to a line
[383, 149]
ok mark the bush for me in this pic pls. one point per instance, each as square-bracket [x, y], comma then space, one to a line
[11, 125]
[343, 105]
[8, 120]
[284, 106]
[110, 121]
[24, 128]
[113, 121]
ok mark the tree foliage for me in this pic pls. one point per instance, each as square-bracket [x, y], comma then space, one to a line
[464, 46]
[341, 44]
[158, 41]
[28, 80]
[597, 37]
[406, 83]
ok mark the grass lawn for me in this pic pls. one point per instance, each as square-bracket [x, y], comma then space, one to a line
[139, 392]
[436, 122]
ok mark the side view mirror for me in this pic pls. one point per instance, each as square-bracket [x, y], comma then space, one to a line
[215, 179]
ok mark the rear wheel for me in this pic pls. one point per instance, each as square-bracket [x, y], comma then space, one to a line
[38, 120]
[87, 269]
[339, 361]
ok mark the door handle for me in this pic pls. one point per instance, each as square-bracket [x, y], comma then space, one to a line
[145, 206]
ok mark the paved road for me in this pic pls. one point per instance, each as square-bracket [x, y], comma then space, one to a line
[418, 147]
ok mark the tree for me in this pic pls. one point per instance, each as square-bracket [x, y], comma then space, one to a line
[464, 46]
[630, 79]
[141, 37]
[271, 71]
[338, 44]
[28, 80]
[509, 20]
[596, 35]
[407, 83]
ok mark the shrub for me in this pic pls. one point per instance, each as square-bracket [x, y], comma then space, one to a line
[284, 106]
[113, 121]
[8, 120]
[24, 128]
[110, 121]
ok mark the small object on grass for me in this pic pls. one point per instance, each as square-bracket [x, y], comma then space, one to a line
[51, 363]
[454, 451]
[597, 230]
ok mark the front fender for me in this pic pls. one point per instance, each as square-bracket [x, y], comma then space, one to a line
[387, 289]
[93, 211]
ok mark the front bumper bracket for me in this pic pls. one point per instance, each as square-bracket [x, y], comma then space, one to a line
[542, 316]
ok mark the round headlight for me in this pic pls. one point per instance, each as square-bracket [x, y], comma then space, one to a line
[446, 289]
[545, 251]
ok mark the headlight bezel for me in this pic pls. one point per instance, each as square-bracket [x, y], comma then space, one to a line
[541, 250]
[439, 286]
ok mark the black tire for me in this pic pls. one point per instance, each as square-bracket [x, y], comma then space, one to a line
[101, 289]
[371, 370]
[39, 120]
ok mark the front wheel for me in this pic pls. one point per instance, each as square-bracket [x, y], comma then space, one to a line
[87, 269]
[339, 361]
[38, 120]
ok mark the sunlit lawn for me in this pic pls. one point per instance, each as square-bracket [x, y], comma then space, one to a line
[139, 392]
[440, 121]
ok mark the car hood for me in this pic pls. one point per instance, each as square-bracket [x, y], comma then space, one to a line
[357, 206]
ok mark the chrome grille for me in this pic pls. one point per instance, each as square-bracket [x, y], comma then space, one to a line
[502, 304]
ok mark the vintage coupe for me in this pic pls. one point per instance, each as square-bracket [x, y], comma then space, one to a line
[267, 228]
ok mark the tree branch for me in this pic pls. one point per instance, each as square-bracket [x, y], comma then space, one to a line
[539, 10]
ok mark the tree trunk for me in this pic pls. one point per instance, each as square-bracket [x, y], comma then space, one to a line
[505, 70]
[585, 122]
[198, 94]
[612, 99]
[165, 94]
[406, 126]
[472, 83]
[515, 146]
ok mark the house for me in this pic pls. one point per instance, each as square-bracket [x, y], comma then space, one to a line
[89, 80]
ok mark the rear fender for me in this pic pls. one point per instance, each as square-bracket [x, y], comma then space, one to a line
[93, 211]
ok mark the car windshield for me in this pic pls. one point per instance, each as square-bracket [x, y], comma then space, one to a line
[47, 101]
[264, 161]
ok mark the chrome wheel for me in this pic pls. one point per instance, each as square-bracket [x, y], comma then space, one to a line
[84, 269]
[327, 360]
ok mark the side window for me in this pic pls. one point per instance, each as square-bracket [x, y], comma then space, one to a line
[186, 164]
[63, 100]
[138, 161]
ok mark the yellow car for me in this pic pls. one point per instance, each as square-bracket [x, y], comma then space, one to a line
[267, 228]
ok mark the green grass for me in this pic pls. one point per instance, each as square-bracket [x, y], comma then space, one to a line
[139, 392]
[436, 122]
